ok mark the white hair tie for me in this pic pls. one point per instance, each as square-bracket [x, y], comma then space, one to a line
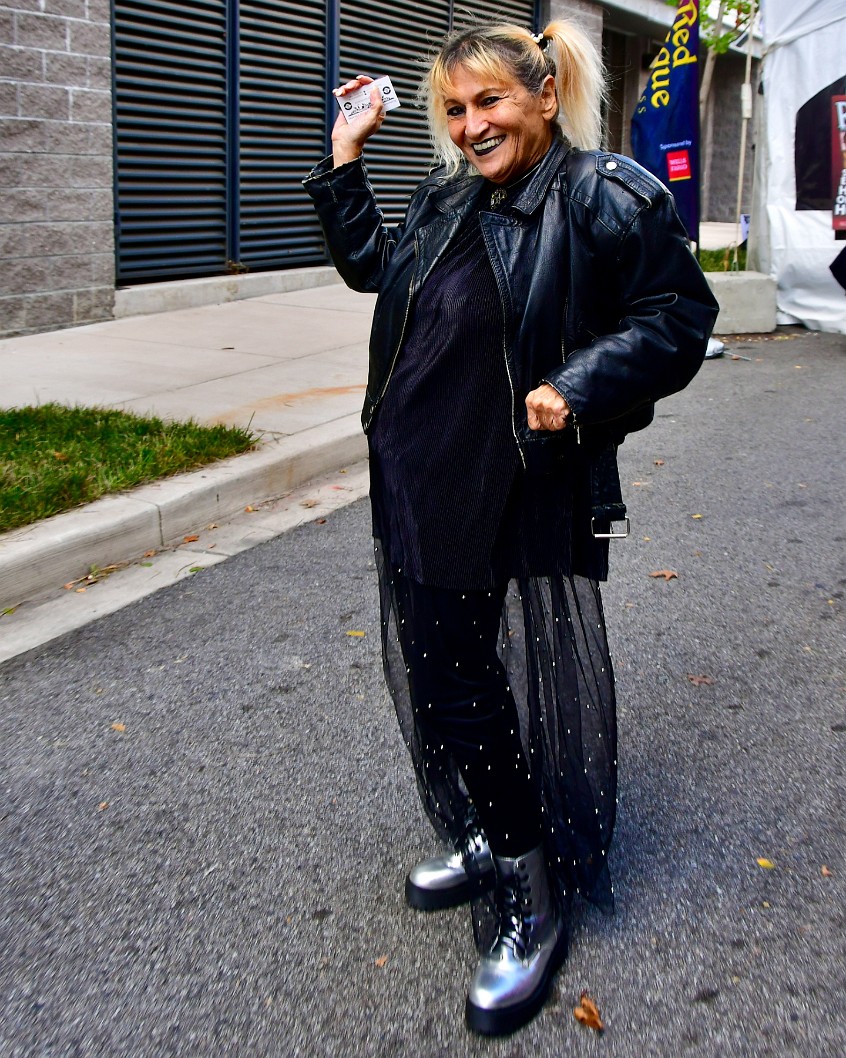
[537, 37]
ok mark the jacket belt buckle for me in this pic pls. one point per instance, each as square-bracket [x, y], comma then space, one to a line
[610, 535]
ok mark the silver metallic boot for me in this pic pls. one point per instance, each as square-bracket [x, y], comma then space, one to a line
[454, 877]
[513, 979]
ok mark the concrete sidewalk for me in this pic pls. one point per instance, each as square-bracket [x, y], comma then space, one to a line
[291, 367]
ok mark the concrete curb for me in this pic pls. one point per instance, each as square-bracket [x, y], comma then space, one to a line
[120, 528]
[747, 302]
[216, 290]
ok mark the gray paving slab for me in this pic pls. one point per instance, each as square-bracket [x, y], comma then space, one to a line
[217, 363]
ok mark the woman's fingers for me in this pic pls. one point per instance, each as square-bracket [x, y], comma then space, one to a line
[547, 409]
[353, 85]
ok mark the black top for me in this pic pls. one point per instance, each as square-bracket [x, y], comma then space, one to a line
[451, 503]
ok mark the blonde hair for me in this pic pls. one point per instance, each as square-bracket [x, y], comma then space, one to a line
[506, 52]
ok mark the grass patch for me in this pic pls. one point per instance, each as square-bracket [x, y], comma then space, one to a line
[53, 458]
[721, 260]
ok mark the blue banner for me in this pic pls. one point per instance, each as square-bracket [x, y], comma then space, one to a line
[665, 124]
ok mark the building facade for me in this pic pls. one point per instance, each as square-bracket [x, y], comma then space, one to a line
[153, 140]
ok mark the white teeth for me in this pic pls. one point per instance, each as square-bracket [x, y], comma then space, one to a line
[487, 144]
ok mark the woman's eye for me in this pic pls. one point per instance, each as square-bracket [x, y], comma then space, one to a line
[490, 101]
[454, 112]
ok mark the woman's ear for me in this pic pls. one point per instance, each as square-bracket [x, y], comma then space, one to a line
[549, 99]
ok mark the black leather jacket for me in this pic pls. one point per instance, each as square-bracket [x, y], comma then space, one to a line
[601, 295]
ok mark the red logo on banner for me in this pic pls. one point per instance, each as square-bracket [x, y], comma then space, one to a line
[678, 165]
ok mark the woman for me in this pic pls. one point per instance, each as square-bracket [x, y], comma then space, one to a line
[537, 300]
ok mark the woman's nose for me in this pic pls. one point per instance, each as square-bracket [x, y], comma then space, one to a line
[475, 123]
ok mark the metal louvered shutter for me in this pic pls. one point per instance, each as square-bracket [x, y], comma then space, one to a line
[517, 12]
[378, 39]
[282, 128]
[170, 121]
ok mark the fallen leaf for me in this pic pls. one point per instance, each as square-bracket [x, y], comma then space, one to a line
[102, 806]
[587, 1013]
[249, 509]
[320, 521]
[697, 516]
[640, 483]
[69, 585]
[190, 539]
[60, 456]
[147, 565]
[658, 462]
[196, 569]
[354, 633]
[81, 591]
[768, 865]
[826, 872]
[667, 574]
[9, 611]
[212, 525]
[148, 554]
[380, 962]
[308, 503]
[698, 681]
[119, 727]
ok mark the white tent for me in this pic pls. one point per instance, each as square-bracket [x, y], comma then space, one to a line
[804, 55]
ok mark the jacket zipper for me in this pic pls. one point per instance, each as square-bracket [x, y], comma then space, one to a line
[520, 451]
[576, 427]
[513, 395]
[402, 331]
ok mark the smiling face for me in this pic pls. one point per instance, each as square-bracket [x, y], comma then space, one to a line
[500, 127]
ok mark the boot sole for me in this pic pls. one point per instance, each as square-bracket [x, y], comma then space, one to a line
[440, 899]
[504, 1020]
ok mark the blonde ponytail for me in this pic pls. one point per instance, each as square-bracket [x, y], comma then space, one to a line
[504, 51]
[579, 82]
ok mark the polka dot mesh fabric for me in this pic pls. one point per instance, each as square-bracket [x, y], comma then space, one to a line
[554, 648]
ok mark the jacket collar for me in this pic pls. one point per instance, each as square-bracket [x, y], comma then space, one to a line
[461, 192]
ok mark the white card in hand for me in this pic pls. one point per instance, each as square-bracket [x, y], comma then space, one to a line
[357, 102]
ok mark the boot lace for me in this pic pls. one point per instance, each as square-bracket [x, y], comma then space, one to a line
[514, 906]
[470, 843]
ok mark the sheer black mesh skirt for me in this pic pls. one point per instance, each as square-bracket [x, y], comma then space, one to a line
[554, 647]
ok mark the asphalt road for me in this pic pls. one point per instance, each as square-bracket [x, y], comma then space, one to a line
[208, 811]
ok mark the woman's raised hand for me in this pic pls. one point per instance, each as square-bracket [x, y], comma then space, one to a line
[349, 137]
[547, 409]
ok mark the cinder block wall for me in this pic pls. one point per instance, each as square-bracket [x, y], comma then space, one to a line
[585, 12]
[56, 195]
[722, 129]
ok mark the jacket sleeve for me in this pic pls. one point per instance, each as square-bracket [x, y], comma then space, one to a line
[359, 241]
[667, 312]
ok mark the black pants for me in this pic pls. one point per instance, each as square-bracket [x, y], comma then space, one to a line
[464, 707]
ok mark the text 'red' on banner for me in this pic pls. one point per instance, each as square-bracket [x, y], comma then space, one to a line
[665, 124]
